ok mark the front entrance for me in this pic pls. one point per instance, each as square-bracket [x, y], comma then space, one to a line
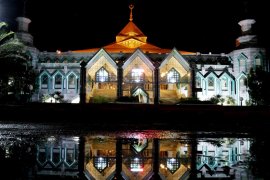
[141, 94]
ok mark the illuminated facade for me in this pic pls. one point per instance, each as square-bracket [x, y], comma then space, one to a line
[132, 67]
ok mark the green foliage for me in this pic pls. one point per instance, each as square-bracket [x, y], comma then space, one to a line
[216, 99]
[17, 78]
[192, 100]
[100, 99]
[259, 87]
[259, 160]
[57, 96]
[230, 100]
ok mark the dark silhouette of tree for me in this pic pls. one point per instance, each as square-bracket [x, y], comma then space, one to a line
[17, 78]
[259, 87]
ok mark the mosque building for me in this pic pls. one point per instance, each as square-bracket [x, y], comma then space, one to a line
[131, 67]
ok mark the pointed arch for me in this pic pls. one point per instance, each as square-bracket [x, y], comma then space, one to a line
[199, 80]
[257, 60]
[142, 95]
[173, 76]
[241, 88]
[211, 81]
[242, 62]
[227, 82]
[101, 59]
[138, 68]
[72, 80]
[102, 75]
[142, 56]
[98, 55]
[44, 79]
[58, 80]
[181, 60]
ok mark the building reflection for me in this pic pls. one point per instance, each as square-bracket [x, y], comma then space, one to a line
[219, 157]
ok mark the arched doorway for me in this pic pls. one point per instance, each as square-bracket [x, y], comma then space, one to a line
[141, 94]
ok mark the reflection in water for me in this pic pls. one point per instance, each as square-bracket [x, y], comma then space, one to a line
[42, 152]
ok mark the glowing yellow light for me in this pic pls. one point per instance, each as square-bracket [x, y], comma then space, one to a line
[58, 52]
[162, 166]
[162, 74]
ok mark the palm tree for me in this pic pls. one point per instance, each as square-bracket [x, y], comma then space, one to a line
[16, 75]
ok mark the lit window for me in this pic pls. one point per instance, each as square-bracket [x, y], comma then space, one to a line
[58, 81]
[44, 81]
[102, 75]
[173, 76]
[211, 158]
[198, 82]
[136, 165]
[71, 81]
[242, 65]
[70, 156]
[100, 163]
[224, 84]
[258, 61]
[242, 83]
[137, 75]
[173, 164]
[56, 155]
[211, 83]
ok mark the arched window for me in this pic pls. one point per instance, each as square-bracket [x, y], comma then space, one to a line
[58, 81]
[211, 83]
[102, 75]
[242, 64]
[44, 81]
[258, 61]
[71, 81]
[242, 82]
[198, 82]
[224, 84]
[173, 76]
[137, 75]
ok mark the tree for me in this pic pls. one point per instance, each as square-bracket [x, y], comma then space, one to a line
[17, 77]
[259, 86]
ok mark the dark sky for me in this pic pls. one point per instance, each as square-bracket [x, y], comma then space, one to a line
[191, 25]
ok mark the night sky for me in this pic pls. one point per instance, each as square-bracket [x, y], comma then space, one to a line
[191, 25]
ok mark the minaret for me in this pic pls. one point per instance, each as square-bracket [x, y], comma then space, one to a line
[247, 39]
[247, 55]
[22, 32]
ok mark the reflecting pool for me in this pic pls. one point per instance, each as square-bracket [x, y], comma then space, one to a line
[50, 151]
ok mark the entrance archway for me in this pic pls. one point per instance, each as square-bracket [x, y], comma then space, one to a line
[141, 94]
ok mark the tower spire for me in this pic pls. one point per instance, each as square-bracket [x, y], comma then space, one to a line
[131, 6]
[24, 8]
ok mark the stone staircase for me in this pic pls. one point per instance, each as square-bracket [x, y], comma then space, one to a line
[168, 97]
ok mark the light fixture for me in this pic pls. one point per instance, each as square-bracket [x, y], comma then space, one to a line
[100, 163]
[136, 165]
[173, 164]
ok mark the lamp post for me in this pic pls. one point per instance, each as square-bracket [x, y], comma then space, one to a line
[241, 100]
[30, 93]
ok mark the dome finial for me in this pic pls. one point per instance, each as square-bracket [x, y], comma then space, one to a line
[131, 6]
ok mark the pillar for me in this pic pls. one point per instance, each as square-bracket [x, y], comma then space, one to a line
[119, 80]
[83, 83]
[193, 80]
[155, 155]
[193, 162]
[118, 166]
[81, 157]
[156, 83]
